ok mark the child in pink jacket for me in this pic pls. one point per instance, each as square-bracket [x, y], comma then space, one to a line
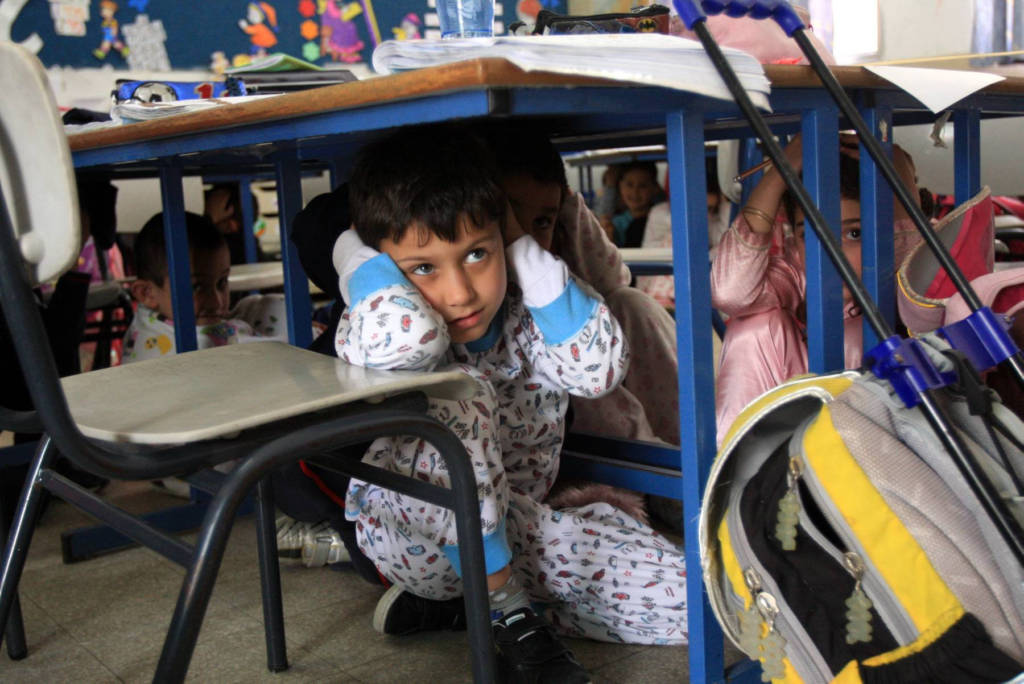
[758, 281]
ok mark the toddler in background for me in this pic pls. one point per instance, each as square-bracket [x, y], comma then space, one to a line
[151, 333]
[639, 191]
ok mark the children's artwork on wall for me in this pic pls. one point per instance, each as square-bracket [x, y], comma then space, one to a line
[111, 32]
[260, 24]
[146, 44]
[339, 33]
[187, 34]
[69, 16]
[409, 29]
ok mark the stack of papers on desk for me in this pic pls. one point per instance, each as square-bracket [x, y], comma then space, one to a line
[130, 112]
[643, 58]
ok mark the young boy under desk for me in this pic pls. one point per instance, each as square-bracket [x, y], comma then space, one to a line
[151, 333]
[438, 273]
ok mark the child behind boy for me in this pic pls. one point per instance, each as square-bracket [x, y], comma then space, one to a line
[425, 274]
[151, 333]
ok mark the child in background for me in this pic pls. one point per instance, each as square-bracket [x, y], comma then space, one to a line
[658, 234]
[763, 290]
[608, 203]
[639, 191]
[222, 204]
[646, 405]
[151, 334]
[437, 274]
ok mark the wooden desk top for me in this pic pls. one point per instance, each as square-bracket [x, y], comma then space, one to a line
[487, 73]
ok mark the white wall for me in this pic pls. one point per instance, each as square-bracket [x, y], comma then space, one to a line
[928, 28]
[923, 28]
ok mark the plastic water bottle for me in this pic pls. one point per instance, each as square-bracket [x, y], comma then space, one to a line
[466, 18]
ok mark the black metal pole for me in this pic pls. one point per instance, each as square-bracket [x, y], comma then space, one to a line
[982, 488]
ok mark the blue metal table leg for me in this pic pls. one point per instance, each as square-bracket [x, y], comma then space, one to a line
[245, 201]
[820, 133]
[296, 287]
[967, 153]
[685, 143]
[876, 215]
[178, 268]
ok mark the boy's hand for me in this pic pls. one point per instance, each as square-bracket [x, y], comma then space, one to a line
[513, 231]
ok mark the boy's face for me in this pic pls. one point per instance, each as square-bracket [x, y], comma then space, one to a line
[535, 205]
[637, 189]
[210, 293]
[464, 281]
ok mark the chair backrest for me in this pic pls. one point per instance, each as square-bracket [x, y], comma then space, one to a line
[39, 238]
[36, 176]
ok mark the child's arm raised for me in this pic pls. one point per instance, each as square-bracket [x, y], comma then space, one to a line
[580, 345]
[388, 324]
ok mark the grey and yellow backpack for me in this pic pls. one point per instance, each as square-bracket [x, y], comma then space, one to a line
[840, 543]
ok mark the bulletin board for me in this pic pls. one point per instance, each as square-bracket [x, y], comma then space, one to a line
[161, 35]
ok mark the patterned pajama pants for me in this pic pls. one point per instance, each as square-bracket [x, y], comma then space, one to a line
[595, 571]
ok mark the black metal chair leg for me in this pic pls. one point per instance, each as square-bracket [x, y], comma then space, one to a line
[15, 630]
[17, 649]
[16, 549]
[199, 580]
[471, 552]
[270, 577]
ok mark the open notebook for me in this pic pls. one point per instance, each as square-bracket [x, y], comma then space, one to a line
[643, 58]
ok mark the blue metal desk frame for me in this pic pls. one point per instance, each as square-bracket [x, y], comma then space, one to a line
[581, 107]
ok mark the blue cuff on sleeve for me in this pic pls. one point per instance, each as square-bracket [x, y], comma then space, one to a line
[376, 274]
[563, 318]
[497, 552]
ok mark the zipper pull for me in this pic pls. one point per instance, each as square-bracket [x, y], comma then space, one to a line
[858, 613]
[773, 645]
[789, 509]
[749, 619]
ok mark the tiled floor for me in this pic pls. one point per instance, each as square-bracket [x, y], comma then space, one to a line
[103, 620]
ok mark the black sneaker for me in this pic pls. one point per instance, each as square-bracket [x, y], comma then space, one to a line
[529, 652]
[400, 613]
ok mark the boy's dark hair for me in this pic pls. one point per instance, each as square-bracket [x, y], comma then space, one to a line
[425, 174]
[524, 148]
[849, 185]
[151, 248]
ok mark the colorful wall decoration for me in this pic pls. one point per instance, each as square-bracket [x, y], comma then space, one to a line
[196, 34]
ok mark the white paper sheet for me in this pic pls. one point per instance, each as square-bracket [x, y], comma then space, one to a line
[936, 89]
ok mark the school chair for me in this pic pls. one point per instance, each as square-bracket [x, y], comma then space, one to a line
[261, 405]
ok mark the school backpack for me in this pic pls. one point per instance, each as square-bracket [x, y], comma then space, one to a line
[840, 542]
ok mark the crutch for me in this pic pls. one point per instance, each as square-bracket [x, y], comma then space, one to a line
[981, 337]
[902, 362]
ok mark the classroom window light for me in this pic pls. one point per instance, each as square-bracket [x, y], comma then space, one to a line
[854, 30]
